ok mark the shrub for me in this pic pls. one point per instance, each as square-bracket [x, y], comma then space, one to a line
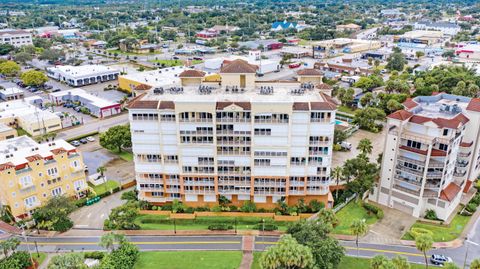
[337, 147]
[189, 210]
[202, 209]
[154, 207]
[268, 226]
[216, 208]
[415, 232]
[373, 210]
[98, 255]
[233, 208]
[129, 195]
[167, 207]
[431, 214]
[471, 207]
[315, 206]
[220, 227]
[248, 206]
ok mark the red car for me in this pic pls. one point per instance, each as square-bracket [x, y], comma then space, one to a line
[294, 65]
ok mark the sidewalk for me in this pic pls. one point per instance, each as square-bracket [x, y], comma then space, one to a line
[248, 246]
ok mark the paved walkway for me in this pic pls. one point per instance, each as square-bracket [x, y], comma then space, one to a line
[248, 245]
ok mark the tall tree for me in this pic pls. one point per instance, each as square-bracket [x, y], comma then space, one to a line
[359, 228]
[34, 78]
[108, 240]
[424, 243]
[288, 253]
[365, 146]
[337, 174]
[377, 261]
[9, 68]
[475, 264]
[116, 138]
[401, 262]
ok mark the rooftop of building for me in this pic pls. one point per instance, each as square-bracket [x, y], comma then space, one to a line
[4, 128]
[13, 32]
[83, 70]
[22, 149]
[25, 110]
[422, 34]
[12, 90]
[94, 100]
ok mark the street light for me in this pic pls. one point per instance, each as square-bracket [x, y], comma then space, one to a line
[468, 242]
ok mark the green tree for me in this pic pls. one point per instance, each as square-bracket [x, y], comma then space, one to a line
[419, 54]
[6, 49]
[377, 261]
[288, 253]
[346, 96]
[101, 169]
[359, 228]
[248, 206]
[9, 68]
[367, 99]
[51, 55]
[424, 243]
[401, 262]
[450, 265]
[23, 57]
[53, 215]
[339, 136]
[108, 240]
[34, 78]
[397, 85]
[328, 216]
[396, 61]
[122, 217]
[365, 146]
[124, 257]
[327, 252]
[366, 118]
[337, 175]
[475, 264]
[72, 260]
[393, 105]
[116, 138]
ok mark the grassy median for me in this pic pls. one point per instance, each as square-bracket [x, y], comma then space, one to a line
[189, 260]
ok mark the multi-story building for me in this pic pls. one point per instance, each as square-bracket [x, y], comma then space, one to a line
[431, 156]
[16, 38]
[31, 173]
[244, 139]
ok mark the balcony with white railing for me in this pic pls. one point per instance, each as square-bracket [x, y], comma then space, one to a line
[233, 191]
[154, 199]
[297, 183]
[200, 191]
[296, 192]
[199, 183]
[234, 182]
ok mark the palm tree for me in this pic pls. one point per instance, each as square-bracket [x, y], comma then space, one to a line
[378, 261]
[337, 173]
[365, 146]
[108, 240]
[475, 264]
[359, 227]
[101, 170]
[424, 243]
[401, 262]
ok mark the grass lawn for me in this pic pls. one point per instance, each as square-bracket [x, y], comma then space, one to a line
[363, 263]
[21, 132]
[189, 260]
[125, 155]
[256, 260]
[346, 109]
[40, 259]
[348, 214]
[158, 222]
[443, 233]
[104, 187]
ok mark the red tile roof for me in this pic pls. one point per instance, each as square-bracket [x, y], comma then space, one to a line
[409, 103]
[191, 74]
[167, 105]
[450, 192]
[468, 185]
[143, 87]
[6, 166]
[9, 228]
[35, 157]
[139, 104]
[322, 106]
[474, 105]
[437, 152]
[239, 67]
[58, 151]
[309, 72]
[324, 86]
[452, 123]
[419, 119]
[401, 115]
[301, 106]
[466, 144]
[415, 150]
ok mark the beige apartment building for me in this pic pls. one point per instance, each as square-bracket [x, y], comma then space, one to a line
[247, 140]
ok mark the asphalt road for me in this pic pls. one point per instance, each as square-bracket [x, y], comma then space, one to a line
[176, 243]
[94, 125]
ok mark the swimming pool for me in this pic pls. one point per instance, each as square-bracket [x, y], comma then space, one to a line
[338, 122]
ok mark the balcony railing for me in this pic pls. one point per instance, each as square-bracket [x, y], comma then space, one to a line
[271, 120]
[407, 190]
[462, 164]
[233, 191]
[196, 120]
[459, 174]
[297, 183]
[234, 182]
[24, 170]
[199, 182]
[269, 184]
[413, 182]
[239, 120]
[296, 192]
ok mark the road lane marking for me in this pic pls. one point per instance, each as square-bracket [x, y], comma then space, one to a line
[364, 249]
[137, 243]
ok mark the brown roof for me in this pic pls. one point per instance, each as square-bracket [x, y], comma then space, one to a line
[6, 166]
[35, 157]
[191, 74]
[239, 67]
[13, 32]
[322, 106]
[143, 87]
[450, 192]
[244, 105]
[139, 104]
[301, 106]
[474, 105]
[167, 105]
[419, 151]
[309, 72]
[401, 115]
[409, 103]
[58, 151]
[466, 144]
[468, 184]
[453, 123]
[9, 228]
[328, 98]
[419, 119]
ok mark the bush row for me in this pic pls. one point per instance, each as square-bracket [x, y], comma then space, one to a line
[373, 210]
[415, 232]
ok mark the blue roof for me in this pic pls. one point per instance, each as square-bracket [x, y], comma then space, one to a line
[283, 24]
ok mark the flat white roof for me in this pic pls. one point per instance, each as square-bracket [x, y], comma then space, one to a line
[15, 150]
[25, 110]
[158, 78]
[4, 128]
[10, 91]
[83, 70]
[94, 100]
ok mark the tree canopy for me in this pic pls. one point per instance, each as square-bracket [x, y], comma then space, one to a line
[288, 253]
[116, 138]
[34, 78]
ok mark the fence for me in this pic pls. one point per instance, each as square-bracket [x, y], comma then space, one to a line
[342, 205]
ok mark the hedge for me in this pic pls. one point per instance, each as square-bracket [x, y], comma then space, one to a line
[265, 227]
[373, 209]
[201, 220]
[415, 231]
[98, 255]
[220, 227]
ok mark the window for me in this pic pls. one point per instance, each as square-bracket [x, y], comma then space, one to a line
[74, 164]
[52, 171]
[414, 144]
[25, 181]
[57, 191]
[443, 147]
[78, 185]
[445, 131]
[259, 131]
[30, 201]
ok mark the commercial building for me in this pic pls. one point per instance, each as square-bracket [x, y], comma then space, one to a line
[7, 132]
[267, 44]
[31, 173]
[247, 140]
[351, 27]
[16, 38]
[431, 155]
[98, 107]
[76, 76]
[23, 114]
[468, 53]
[420, 37]
[343, 45]
[348, 66]
[264, 66]
[447, 28]
[13, 93]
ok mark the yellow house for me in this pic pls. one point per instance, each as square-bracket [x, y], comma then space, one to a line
[7, 132]
[309, 75]
[238, 73]
[32, 173]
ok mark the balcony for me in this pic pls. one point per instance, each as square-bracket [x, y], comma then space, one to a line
[24, 170]
[406, 190]
[318, 182]
[227, 191]
[297, 183]
[268, 121]
[232, 132]
[24, 190]
[412, 161]
[154, 199]
[414, 150]
[172, 190]
[233, 153]
[160, 189]
[409, 170]
[269, 193]
[70, 156]
[319, 143]
[202, 192]
[462, 163]
[320, 120]
[238, 120]
[198, 132]
[197, 120]
[464, 155]
[239, 143]
[317, 153]
[199, 182]
[459, 174]
[234, 182]
[406, 180]
[434, 174]
[269, 184]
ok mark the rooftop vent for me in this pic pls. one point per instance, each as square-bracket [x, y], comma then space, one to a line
[158, 90]
[202, 89]
[234, 89]
[175, 90]
[265, 90]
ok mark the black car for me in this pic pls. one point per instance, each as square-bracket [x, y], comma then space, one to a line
[175, 58]
[83, 141]
[56, 90]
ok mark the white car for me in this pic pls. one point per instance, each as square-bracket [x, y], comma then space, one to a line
[90, 139]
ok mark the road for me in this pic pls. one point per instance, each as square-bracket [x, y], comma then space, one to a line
[93, 126]
[176, 243]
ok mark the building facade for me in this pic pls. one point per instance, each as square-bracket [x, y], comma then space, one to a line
[76, 76]
[431, 155]
[32, 173]
[16, 38]
[243, 139]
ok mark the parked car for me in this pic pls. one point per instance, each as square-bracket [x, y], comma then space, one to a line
[47, 87]
[345, 145]
[90, 139]
[77, 108]
[438, 259]
[175, 58]
[83, 141]
[198, 58]
[56, 90]
[85, 169]
[75, 143]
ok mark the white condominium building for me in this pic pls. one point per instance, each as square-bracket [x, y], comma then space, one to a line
[16, 38]
[431, 154]
[240, 138]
